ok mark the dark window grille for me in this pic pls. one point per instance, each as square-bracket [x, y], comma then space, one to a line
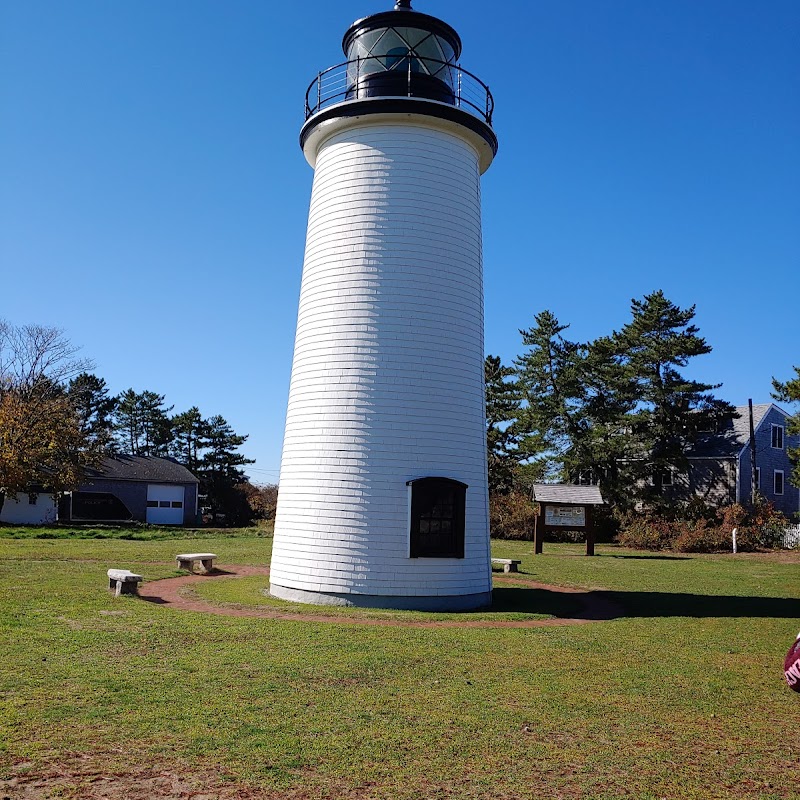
[438, 508]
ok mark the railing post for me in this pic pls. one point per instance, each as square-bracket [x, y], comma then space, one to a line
[319, 90]
[358, 78]
[409, 75]
[458, 91]
[488, 115]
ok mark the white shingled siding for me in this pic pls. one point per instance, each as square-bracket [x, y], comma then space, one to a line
[387, 379]
[18, 509]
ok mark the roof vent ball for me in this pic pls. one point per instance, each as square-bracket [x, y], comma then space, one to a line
[400, 4]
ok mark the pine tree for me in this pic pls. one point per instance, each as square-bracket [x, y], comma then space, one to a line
[89, 396]
[189, 429]
[128, 423]
[157, 431]
[503, 400]
[672, 410]
[550, 424]
[789, 392]
[220, 467]
[142, 423]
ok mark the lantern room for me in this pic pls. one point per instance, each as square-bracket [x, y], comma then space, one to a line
[402, 53]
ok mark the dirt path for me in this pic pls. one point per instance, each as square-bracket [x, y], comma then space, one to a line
[171, 592]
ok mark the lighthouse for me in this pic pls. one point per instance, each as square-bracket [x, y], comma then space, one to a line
[383, 496]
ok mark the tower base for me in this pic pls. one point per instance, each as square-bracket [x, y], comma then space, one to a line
[456, 602]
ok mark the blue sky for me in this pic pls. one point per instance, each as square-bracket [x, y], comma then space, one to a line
[153, 196]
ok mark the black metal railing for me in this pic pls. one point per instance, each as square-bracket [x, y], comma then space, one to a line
[400, 76]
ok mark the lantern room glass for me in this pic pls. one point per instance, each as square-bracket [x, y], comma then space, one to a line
[403, 50]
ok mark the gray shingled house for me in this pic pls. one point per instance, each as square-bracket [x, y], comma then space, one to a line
[159, 491]
[719, 463]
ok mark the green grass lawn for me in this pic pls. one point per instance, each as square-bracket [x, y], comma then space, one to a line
[682, 697]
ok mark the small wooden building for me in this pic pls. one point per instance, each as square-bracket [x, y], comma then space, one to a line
[564, 507]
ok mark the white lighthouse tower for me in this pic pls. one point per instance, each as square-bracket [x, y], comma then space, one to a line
[383, 489]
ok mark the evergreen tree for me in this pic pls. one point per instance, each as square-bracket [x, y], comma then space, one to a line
[672, 410]
[189, 432]
[89, 396]
[128, 423]
[503, 399]
[220, 467]
[142, 423]
[551, 425]
[157, 431]
[789, 392]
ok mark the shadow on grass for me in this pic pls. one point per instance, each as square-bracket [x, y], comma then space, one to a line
[513, 600]
[667, 604]
[615, 605]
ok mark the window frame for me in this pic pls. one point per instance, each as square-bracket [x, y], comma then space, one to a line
[419, 498]
[775, 474]
[780, 437]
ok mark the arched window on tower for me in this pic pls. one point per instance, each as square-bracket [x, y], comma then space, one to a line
[437, 518]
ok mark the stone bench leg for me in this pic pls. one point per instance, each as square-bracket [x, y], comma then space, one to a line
[123, 587]
[208, 564]
[188, 565]
[509, 568]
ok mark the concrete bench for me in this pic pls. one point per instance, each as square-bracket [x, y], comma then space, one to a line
[509, 564]
[123, 581]
[187, 561]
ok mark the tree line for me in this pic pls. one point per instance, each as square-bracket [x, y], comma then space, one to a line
[619, 411]
[57, 419]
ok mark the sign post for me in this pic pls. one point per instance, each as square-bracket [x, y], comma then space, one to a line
[563, 508]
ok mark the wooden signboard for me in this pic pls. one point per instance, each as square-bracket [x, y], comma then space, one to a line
[561, 516]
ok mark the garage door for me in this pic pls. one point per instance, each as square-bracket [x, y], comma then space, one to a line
[164, 504]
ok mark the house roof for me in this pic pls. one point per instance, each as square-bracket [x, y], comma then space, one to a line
[141, 468]
[734, 435]
[563, 493]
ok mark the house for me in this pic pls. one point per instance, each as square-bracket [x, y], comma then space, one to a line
[158, 491]
[36, 507]
[719, 462]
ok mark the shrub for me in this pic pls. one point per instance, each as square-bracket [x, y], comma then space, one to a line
[644, 532]
[761, 527]
[700, 537]
[512, 515]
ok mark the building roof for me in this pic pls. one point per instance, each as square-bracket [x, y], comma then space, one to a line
[141, 468]
[563, 493]
[733, 436]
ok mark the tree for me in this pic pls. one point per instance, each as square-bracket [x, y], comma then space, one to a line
[189, 432]
[220, 467]
[551, 425]
[578, 396]
[671, 410]
[142, 424]
[89, 396]
[789, 392]
[42, 443]
[503, 400]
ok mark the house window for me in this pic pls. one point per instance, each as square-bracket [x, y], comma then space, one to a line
[32, 499]
[177, 504]
[163, 503]
[758, 477]
[152, 503]
[586, 478]
[778, 481]
[437, 518]
[777, 437]
[667, 478]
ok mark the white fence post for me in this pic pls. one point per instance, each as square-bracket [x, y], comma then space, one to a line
[791, 537]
